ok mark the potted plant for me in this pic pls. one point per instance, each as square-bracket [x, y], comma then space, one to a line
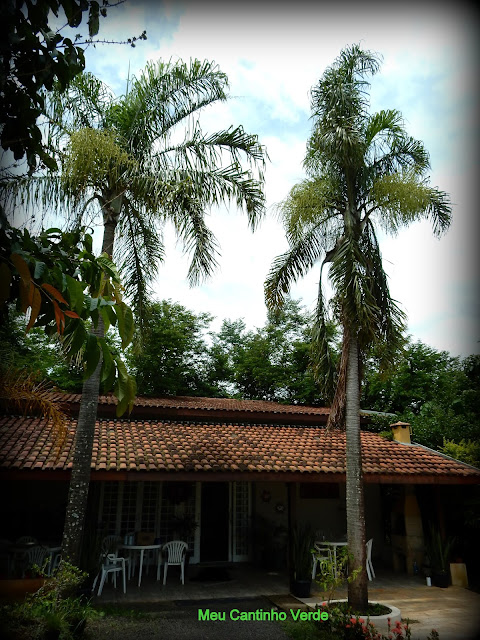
[302, 543]
[184, 526]
[438, 551]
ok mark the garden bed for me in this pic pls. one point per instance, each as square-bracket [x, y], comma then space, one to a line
[379, 613]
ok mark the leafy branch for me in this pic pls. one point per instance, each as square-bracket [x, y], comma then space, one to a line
[57, 280]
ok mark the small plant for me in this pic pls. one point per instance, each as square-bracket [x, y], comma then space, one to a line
[335, 572]
[302, 539]
[54, 611]
[438, 551]
[184, 526]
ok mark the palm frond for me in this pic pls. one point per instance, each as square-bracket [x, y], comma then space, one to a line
[197, 239]
[403, 197]
[336, 416]
[82, 105]
[292, 265]
[138, 252]
[168, 93]
[322, 359]
[201, 153]
[386, 124]
[20, 390]
[405, 154]
[38, 196]
[216, 186]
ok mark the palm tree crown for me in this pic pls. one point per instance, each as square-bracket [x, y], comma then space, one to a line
[363, 171]
[142, 159]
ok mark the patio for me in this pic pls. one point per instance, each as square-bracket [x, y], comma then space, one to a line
[453, 612]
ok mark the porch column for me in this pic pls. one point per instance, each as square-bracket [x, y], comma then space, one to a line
[414, 542]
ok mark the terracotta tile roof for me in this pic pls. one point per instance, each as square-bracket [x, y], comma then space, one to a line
[172, 447]
[190, 402]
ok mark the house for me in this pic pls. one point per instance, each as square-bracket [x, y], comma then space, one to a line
[243, 470]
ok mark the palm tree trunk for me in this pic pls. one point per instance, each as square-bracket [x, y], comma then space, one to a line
[82, 460]
[357, 589]
[83, 446]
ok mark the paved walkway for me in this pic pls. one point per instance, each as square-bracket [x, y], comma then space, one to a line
[453, 612]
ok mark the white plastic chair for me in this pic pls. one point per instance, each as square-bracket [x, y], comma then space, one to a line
[25, 540]
[35, 555]
[174, 553]
[322, 556]
[54, 563]
[113, 565]
[110, 544]
[370, 571]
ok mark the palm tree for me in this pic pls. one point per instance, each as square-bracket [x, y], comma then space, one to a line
[139, 161]
[363, 171]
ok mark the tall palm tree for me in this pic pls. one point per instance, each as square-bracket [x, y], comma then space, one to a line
[363, 171]
[139, 161]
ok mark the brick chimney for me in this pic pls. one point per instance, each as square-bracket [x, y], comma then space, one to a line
[401, 432]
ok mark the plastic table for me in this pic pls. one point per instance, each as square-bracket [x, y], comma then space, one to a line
[142, 548]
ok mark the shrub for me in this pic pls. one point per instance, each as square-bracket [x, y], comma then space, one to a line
[54, 611]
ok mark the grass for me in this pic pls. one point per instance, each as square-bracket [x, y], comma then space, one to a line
[120, 611]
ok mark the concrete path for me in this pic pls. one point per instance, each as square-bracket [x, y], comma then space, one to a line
[453, 612]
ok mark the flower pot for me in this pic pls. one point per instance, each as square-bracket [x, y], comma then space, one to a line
[441, 580]
[301, 588]
[458, 574]
[17, 589]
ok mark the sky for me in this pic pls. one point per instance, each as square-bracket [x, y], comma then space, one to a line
[273, 54]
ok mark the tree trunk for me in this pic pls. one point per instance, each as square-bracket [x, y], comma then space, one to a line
[83, 445]
[82, 460]
[358, 588]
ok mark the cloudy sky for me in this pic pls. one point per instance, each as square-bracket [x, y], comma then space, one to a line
[273, 54]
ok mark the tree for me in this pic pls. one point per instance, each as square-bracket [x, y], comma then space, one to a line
[124, 161]
[174, 357]
[271, 362]
[363, 168]
[433, 391]
[32, 58]
[37, 352]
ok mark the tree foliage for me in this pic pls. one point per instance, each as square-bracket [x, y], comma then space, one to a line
[272, 362]
[56, 279]
[466, 450]
[439, 395]
[34, 57]
[173, 359]
[142, 159]
[364, 172]
[37, 352]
